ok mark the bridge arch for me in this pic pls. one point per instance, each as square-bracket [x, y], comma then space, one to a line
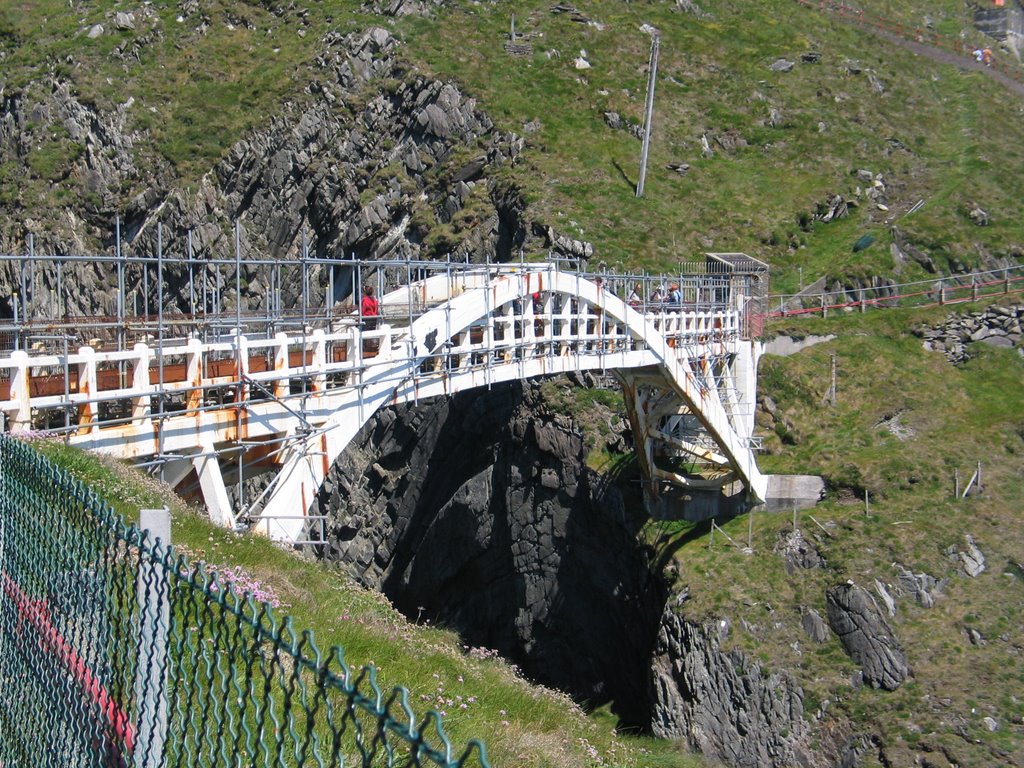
[536, 321]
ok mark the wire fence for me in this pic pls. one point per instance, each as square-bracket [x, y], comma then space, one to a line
[115, 651]
[922, 293]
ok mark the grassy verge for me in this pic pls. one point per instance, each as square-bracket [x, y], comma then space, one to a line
[522, 724]
[949, 417]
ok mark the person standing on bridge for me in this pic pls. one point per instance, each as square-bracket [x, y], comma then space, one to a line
[675, 297]
[369, 308]
[369, 311]
[635, 298]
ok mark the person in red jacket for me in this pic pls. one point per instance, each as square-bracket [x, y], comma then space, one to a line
[369, 308]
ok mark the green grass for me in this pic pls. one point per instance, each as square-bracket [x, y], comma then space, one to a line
[715, 78]
[195, 93]
[521, 723]
[959, 415]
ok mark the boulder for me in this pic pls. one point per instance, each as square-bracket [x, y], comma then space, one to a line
[688, 6]
[922, 587]
[971, 558]
[979, 216]
[124, 20]
[866, 636]
[798, 552]
[814, 625]
[887, 599]
[730, 140]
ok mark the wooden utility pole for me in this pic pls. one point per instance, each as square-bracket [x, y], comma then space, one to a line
[652, 74]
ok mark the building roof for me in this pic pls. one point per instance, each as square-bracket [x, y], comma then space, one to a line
[737, 262]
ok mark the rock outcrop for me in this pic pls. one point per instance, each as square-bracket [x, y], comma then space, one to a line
[343, 170]
[923, 588]
[478, 512]
[814, 625]
[721, 702]
[970, 558]
[798, 551]
[866, 636]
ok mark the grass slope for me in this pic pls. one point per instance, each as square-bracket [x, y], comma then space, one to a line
[951, 139]
[521, 723]
[951, 417]
[937, 135]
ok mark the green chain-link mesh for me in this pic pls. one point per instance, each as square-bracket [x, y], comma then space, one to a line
[116, 652]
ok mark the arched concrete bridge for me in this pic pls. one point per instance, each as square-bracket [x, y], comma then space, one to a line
[290, 402]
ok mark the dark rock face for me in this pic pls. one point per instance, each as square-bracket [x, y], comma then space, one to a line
[478, 512]
[866, 636]
[722, 703]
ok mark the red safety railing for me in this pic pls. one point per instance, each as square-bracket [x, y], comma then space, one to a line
[930, 293]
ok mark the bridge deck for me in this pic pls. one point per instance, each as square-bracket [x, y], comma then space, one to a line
[291, 399]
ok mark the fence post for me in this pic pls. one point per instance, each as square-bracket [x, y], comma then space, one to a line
[824, 311]
[942, 292]
[832, 382]
[974, 288]
[153, 593]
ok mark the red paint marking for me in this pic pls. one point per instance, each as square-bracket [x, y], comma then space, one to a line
[36, 613]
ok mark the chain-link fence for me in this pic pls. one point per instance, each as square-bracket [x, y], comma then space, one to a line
[114, 651]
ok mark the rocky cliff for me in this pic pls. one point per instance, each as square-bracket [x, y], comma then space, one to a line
[721, 702]
[376, 161]
[478, 512]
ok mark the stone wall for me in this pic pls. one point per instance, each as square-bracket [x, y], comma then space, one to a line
[996, 326]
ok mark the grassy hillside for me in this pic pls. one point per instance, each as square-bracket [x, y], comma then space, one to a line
[952, 140]
[948, 418]
[522, 724]
[949, 139]
[935, 134]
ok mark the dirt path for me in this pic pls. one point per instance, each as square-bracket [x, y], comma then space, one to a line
[948, 57]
